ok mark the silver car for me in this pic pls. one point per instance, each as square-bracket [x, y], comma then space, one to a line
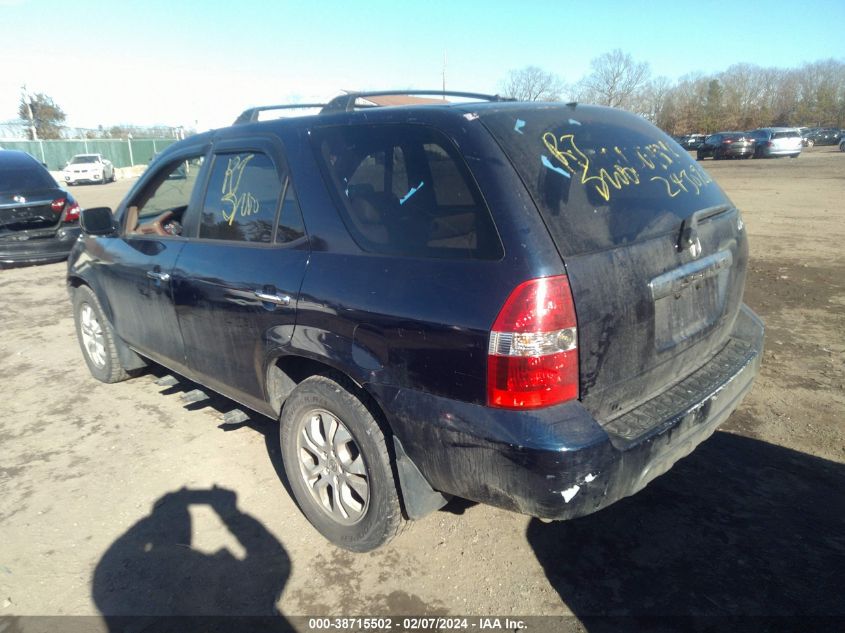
[777, 141]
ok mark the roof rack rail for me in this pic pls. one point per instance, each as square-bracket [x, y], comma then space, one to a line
[346, 103]
[251, 115]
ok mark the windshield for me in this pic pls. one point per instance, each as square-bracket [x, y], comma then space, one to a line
[602, 177]
[76, 160]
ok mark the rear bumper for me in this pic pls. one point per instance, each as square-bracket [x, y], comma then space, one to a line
[38, 249]
[780, 151]
[560, 463]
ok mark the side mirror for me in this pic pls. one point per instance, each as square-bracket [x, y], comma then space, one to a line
[97, 221]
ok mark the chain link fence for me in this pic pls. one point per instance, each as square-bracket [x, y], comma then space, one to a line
[121, 152]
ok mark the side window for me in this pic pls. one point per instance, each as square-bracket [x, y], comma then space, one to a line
[405, 190]
[449, 188]
[241, 199]
[290, 220]
[160, 208]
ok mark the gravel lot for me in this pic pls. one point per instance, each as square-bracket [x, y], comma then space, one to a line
[122, 499]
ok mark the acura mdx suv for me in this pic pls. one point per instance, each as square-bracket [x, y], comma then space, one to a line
[534, 306]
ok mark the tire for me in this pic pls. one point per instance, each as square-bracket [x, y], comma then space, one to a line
[363, 512]
[96, 337]
[698, 156]
[758, 153]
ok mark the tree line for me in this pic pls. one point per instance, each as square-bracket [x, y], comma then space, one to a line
[743, 97]
[40, 114]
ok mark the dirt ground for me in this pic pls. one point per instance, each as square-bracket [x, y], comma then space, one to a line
[123, 499]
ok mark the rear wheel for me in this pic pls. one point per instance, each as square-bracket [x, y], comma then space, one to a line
[96, 338]
[338, 465]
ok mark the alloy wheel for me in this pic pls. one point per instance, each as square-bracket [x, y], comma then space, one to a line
[332, 466]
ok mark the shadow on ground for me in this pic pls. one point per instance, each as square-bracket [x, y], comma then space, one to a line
[154, 570]
[739, 528]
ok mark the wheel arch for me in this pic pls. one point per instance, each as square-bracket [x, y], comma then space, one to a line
[285, 372]
[129, 359]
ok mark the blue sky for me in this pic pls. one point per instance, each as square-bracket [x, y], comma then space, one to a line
[201, 63]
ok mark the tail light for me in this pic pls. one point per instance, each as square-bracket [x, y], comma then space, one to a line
[57, 205]
[769, 143]
[532, 358]
[72, 212]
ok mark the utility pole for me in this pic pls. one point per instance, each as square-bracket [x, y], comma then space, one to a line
[28, 102]
[444, 74]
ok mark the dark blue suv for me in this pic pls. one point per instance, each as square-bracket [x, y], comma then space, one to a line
[535, 306]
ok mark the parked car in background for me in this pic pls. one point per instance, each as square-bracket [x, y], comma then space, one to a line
[776, 141]
[824, 136]
[427, 299]
[842, 144]
[88, 168]
[692, 141]
[39, 222]
[726, 145]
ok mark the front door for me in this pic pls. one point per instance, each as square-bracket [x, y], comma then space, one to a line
[138, 276]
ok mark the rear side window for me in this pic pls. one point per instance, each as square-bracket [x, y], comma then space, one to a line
[602, 178]
[241, 199]
[405, 190]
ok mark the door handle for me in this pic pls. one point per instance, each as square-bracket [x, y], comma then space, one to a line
[158, 276]
[284, 300]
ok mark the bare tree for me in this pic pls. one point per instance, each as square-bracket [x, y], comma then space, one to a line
[614, 80]
[533, 84]
[47, 117]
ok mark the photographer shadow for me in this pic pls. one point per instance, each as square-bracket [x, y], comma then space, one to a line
[739, 529]
[155, 571]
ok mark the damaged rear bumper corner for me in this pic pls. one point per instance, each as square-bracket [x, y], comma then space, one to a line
[560, 463]
[38, 249]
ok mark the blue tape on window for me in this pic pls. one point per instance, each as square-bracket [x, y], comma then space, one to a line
[548, 164]
[519, 125]
[411, 192]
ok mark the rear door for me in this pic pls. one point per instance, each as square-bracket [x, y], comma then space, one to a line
[237, 280]
[655, 251]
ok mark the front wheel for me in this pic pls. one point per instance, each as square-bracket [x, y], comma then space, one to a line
[96, 337]
[337, 462]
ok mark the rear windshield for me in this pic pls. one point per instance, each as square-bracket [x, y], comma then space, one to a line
[791, 134]
[600, 177]
[25, 178]
[405, 190]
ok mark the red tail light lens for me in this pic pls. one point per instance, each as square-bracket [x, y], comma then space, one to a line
[72, 212]
[532, 359]
[57, 205]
